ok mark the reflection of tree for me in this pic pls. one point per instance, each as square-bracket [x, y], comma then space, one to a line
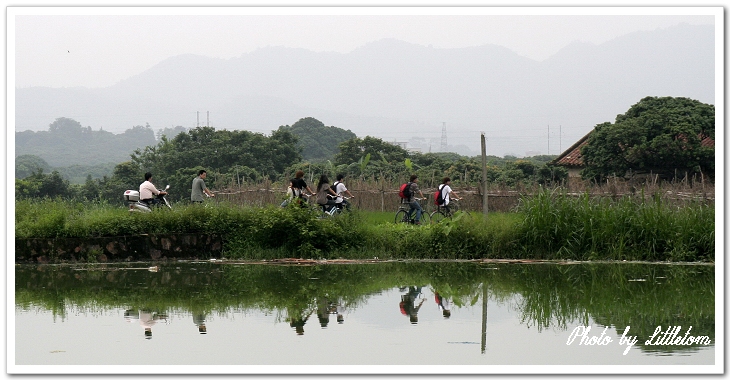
[546, 295]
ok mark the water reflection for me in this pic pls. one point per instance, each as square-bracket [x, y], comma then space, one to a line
[146, 318]
[326, 307]
[408, 302]
[199, 320]
[444, 304]
[542, 298]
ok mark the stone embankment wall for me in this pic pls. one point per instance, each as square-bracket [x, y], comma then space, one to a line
[118, 248]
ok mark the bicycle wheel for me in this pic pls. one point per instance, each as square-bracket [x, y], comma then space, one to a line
[425, 218]
[401, 216]
[437, 216]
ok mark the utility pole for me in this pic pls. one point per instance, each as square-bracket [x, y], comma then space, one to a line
[197, 119]
[485, 208]
[207, 118]
[443, 137]
[548, 139]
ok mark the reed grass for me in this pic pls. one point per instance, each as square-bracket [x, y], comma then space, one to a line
[548, 225]
[584, 228]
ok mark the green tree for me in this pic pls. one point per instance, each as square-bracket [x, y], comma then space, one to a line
[27, 164]
[224, 154]
[43, 185]
[658, 134]
[127, 175]
[90, 189]
[352, 150]
[317, 141]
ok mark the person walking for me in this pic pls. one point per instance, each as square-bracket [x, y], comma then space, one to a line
[413, 202]
[199, 188]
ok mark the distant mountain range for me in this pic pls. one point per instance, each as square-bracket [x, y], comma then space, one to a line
[399, 91]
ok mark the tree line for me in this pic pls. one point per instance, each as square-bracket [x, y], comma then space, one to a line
[662, 134]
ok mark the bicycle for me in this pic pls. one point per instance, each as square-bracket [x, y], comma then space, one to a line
[443, 212]
[334, 210]
[401, 216]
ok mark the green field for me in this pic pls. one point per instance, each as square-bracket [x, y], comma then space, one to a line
[546, 226]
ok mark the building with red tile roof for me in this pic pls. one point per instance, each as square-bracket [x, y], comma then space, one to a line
[572, 159]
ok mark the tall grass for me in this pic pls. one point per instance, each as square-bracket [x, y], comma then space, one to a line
[558, 226]
[549, 225]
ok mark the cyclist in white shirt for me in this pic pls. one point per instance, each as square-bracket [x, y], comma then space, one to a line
[340, 189]
[445, 188]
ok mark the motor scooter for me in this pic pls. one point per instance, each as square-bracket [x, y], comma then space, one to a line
[131, 197]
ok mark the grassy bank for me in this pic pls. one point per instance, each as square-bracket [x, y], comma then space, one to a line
[546, 226]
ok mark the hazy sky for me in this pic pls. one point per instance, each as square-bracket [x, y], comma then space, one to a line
[98, 47]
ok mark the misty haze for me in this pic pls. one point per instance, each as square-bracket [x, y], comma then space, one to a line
[400, 92]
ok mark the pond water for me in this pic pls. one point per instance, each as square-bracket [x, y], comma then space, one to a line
[204, 317]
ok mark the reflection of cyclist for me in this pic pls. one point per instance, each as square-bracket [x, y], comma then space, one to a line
[147, 319]
[199, 320]
[408, 303]
[323, 311]
[444, 304]
[298, 322]
[339, 309]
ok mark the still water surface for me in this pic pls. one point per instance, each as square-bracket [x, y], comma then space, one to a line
[209, 314]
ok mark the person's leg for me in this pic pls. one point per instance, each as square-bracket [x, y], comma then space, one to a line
[419, 211]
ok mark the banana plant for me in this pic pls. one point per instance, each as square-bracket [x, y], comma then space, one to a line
[364, 162]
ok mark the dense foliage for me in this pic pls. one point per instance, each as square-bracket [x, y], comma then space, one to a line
[547, 226]
[658, 135]
[316, 141]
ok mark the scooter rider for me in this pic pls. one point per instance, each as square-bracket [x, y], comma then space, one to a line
[148, 192]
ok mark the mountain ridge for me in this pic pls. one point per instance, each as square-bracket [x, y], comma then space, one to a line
[395, 90]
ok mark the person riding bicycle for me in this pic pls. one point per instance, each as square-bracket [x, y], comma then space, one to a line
[199, 188]
[298, 186]
[323, 190]
[340, 189]
[447, 193]
[148, 192]
[413, 202]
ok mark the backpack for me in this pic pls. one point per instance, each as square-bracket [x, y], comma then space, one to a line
[334, 186]
[405, 190]
[438, 196]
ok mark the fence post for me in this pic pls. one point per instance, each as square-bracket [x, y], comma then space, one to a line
[485, 198]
